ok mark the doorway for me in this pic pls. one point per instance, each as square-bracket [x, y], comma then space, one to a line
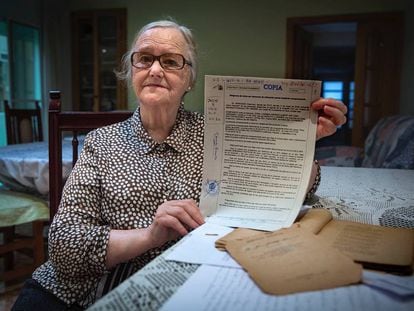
[333, 62]
[358, 59]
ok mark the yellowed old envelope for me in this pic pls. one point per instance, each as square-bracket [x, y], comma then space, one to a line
[375, 247]
[293, 260]
[236, 234]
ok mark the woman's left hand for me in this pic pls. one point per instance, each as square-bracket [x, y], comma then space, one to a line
[331, 113]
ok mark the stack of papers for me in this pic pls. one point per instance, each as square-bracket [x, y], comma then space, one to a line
[221, 280]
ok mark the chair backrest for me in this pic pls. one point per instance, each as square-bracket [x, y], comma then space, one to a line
[74, 122]
[23, 125]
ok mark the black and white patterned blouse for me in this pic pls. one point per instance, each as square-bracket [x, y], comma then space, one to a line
[120, 179]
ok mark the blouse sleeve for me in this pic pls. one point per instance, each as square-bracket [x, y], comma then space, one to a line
[78, 237]
[316, 183]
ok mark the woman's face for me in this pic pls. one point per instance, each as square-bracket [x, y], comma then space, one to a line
[156, 86]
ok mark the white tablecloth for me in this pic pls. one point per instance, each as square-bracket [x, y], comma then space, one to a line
[374, 196]
[25, 167]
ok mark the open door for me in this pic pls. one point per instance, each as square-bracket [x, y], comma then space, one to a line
[377, 73]
[378, 54]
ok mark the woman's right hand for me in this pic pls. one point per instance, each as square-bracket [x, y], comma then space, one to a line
[174, 219]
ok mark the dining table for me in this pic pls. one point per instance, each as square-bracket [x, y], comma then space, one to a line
[383, 197]
[25, 167]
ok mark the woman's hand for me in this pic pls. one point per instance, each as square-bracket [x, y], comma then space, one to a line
[331, 113]
[174, 219]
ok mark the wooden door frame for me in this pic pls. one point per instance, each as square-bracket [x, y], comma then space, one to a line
[363, 121]
[293, 22]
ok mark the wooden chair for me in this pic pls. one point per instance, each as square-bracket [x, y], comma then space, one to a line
[75, 122]
[23, 125]
[20, 210]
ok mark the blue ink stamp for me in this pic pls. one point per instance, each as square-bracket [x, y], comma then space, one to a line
[212, 186]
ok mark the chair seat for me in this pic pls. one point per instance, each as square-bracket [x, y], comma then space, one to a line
[17, 208]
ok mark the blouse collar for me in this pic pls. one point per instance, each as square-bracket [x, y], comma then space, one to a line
[176, 140]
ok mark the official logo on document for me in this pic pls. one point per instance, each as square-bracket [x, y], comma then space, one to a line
[211, 187]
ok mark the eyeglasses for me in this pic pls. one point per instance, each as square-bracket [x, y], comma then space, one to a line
[168, 61]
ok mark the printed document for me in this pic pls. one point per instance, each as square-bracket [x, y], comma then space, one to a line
[259, 146]
[226, 289]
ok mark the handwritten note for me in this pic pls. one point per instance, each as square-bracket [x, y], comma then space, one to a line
[293, 260]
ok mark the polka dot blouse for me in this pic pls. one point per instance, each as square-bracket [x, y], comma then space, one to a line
[120, 179]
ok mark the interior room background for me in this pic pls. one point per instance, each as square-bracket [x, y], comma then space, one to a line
[234, 37]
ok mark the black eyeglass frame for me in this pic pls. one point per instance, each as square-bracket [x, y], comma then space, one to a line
[158, 58]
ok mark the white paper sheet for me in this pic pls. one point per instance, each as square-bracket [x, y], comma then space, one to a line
[259, 142]
[402, 286]
[199, 247]
[217, 288]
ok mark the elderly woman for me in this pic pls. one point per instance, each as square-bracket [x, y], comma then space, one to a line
[137, 183]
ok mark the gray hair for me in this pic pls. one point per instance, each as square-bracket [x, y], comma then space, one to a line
[126, 68]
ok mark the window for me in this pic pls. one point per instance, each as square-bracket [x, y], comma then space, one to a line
[342, 91]
[20, 68]
[4, 78]
[25, 63]
[351, 104]
[333, 89]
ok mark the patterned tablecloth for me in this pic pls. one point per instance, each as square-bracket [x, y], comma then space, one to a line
[374, 196]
